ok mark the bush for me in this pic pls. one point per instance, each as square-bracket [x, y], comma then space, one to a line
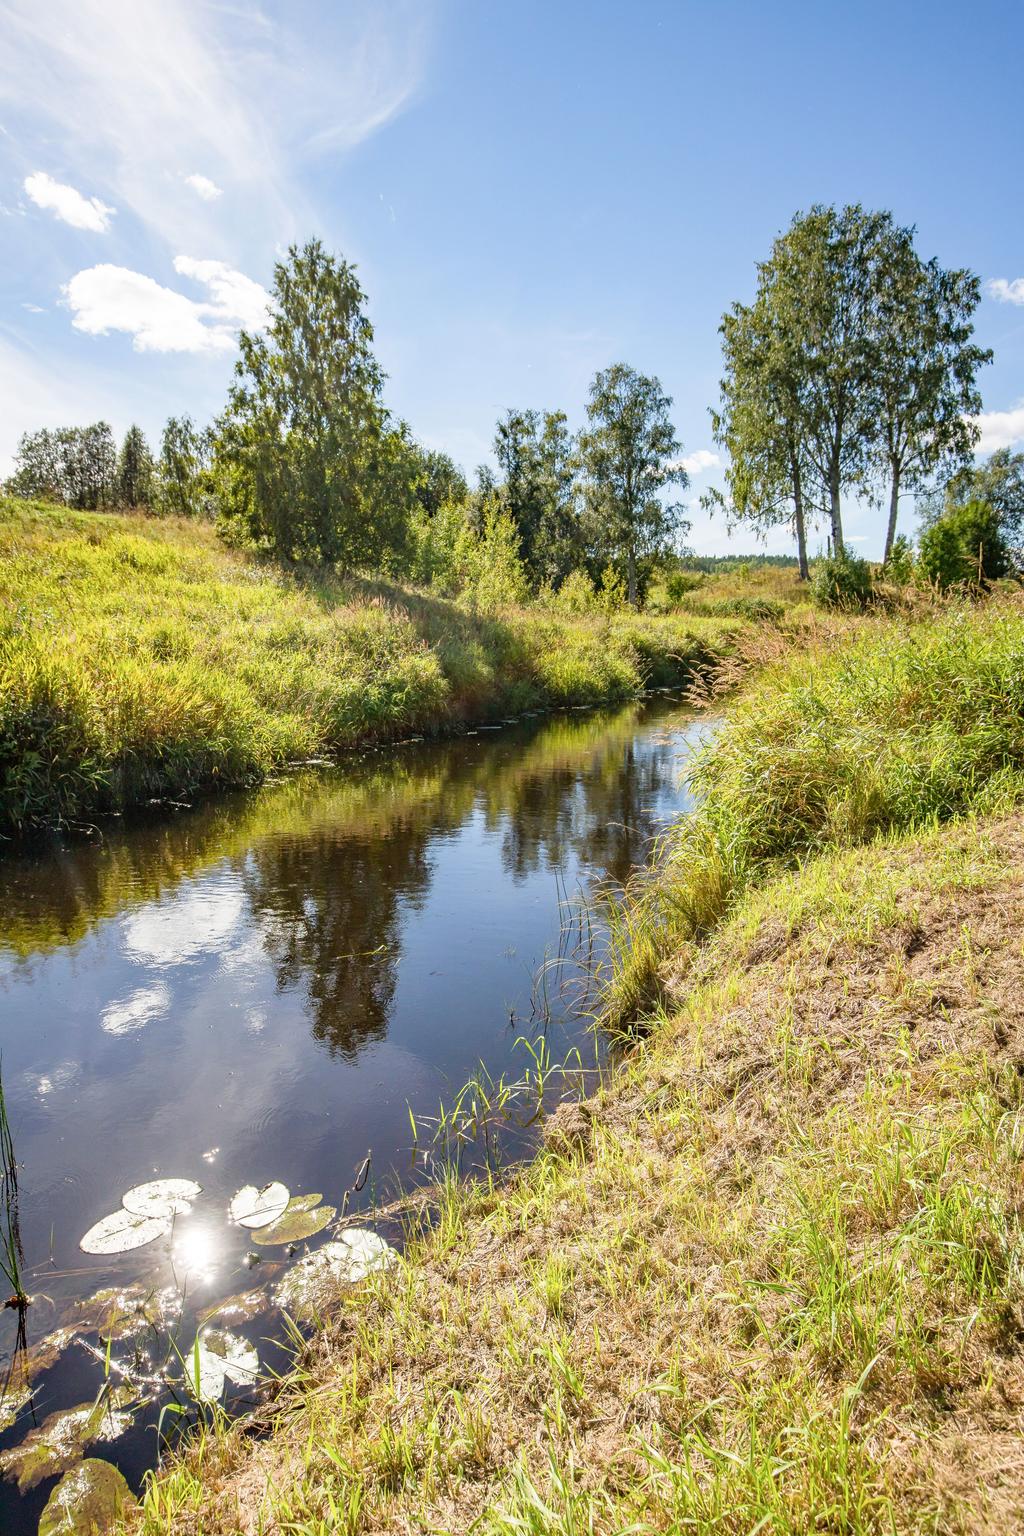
[899, 567]
[842, 580]
[679, 583]
[576, 594]
[964, 547]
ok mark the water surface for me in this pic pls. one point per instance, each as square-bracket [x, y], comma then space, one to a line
[260, 989]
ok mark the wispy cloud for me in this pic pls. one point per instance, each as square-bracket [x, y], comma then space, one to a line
[205, 188]
[139, 88]
[1007, 292]
[1000, 429]
[109, 298]
[68, 203]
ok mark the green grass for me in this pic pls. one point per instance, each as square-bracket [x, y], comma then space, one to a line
[141, 659]
[909, 724]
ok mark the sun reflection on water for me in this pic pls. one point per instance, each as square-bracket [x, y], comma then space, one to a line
[197, 1253]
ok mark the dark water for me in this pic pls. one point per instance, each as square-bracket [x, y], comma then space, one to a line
[259, 989]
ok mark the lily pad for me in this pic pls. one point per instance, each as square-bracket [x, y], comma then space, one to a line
[221, 1357]
[123, 1230]
[62, 1437]
[254, 1208]
[314, 1281]
[238, 1309]
[88, 1501]
[161, 1197]
[299, 1221]
[123, 1311]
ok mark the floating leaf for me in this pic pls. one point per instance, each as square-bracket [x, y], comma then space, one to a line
[220, 1356]
[62, 1437]
[252, 1207]
[299, 1221]
[314, 1281]
[238, 1309]
[161, 1197]
[122, 1231]
[124, 1311]
[88, 1501]
[241, 1362]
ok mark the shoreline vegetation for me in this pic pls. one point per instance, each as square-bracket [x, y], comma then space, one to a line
[767, 1276]
[140, 659]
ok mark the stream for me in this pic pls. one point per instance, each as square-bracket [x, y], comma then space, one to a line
[282, 987]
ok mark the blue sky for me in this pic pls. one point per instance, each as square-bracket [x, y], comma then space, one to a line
[531, 191]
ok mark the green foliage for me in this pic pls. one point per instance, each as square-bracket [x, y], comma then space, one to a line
[73, 465]
[576, 594]
[136, 472]
[185, 484]
[629, 453]
[679, 583]
[612, 594]
[438, 481]
[964, 547]
[856, 360]
[999, 482]
[842, 581]
[308, 465]
[539, 491]
[900, 565]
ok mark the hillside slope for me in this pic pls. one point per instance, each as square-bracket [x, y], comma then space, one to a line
[139, 658]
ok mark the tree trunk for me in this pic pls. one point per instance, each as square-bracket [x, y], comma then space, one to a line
[838, 544]
[798, 519]
[631, 577]
[894, 503]
[801, 543]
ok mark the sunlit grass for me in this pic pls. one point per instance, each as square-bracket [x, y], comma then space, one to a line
[140, 658]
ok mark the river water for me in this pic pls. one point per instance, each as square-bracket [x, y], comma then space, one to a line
[260, 989]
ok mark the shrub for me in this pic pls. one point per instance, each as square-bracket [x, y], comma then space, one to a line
[964, 547]
[899, 567]
[679, 583]
[842, 580]
[576, 594]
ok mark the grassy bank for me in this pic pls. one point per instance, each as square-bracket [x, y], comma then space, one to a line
[140, 659]
[768, 1278]
[904, 725]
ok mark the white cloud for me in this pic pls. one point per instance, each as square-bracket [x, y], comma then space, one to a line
[208, 190]
[67, 203]
[109, 298]
[34, 309]
[1006, 292]
[696, 463]
[234, 295]
[1000, 429]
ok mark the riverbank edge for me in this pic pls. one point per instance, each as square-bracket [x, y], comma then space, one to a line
[142, 661]
[765, 1274]
[764, 1278]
